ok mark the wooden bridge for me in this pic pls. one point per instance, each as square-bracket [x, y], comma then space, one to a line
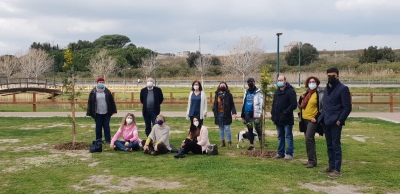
[24, 85]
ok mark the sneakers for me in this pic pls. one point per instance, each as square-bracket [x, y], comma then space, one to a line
[335, 174]
[326, 171]
[288, 157]
[251, 148]
[277, 157]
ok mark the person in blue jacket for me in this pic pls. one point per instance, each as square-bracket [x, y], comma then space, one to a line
[337, 107]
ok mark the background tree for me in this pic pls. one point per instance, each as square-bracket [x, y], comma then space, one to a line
[202, 64]
[8, 66]
[111, 41]
[308, 55]
[148, 64]
[386, 54]
[369, 55]
[244, 57]
[80, 45]
[35, 62]
[102, 65]
[192, 58]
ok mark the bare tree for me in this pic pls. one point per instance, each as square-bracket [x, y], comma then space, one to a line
[35, 62]
[8, 66]
[202, 64]
[244, 57]
[102, 65]
[148, 64]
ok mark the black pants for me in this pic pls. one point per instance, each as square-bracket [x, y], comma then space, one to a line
[310, 141]
[161, 148]
[191, 145]
[248, 118]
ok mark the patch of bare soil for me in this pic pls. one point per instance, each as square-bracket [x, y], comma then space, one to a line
[109, 183]
[69, 146]
[332, 187]
[258, 153]
[9, 140]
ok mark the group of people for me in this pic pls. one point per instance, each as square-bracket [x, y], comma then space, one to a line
[322, 110]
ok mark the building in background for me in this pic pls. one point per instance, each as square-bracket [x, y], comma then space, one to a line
[290, 46]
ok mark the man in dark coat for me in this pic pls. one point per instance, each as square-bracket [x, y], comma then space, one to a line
[283, 105]
[101, 106]
[151, 97]
[337, 107]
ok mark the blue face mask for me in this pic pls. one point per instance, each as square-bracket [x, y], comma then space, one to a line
[101, 86]
[280, 84]
[160, 122]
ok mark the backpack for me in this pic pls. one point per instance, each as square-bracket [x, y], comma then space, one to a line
[97, 146]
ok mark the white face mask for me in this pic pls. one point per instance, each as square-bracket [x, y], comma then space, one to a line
[312, 86]
[196, 123]
[129, 121]
[196, 87]
[149, 84]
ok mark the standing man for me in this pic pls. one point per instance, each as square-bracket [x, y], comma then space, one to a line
[252, 109]
[336, 109]
[283, 105]
[151, 97]
[101, 106]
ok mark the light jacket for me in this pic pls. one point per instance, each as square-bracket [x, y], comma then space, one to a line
[257, 104]
[203, 105]
[202, 139]
[129, 134]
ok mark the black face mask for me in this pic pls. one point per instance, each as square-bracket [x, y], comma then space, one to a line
[251, 85]
[332, 80]
[223, 89]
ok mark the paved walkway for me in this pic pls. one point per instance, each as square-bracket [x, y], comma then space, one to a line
[392, 117]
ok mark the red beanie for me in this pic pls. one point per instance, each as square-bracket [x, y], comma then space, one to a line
[100, 79]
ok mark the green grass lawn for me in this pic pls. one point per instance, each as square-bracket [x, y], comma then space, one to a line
[30, 164]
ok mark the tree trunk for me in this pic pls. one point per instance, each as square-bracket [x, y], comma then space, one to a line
[202, 83]
[73, 110]
[244, 86]
[263, 124]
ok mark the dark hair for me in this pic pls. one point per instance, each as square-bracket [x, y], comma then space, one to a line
[311, 77]
[200, 87]
[193, 129]
[333, 70]
[227, 88]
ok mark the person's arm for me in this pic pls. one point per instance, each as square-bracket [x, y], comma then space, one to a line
[188, 106]
[292, 101]
[203, 136]
[116, 136]
[135, 135]
[89, 107]
[232, 104]
[113, 106]
[161, 96]
[142, 95]
[346, 104]
[204, 97]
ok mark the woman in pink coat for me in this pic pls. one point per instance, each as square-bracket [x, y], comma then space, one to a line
[129, 132]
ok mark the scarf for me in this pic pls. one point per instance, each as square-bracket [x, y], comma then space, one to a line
[307, 98]
[221, 96]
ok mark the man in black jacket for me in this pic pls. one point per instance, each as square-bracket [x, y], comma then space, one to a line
[101, 106]
[283, 105]
[151, 97]
[337, 107]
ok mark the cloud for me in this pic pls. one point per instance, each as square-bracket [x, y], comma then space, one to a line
[371, 5]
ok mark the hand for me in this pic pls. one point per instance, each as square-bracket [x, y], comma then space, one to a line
[182, 144]
[205, 114]
[126, 144]
[338, 123]
[146, 147]
[303, 94]
[112, 146]
[234, 116]
[313, 120]
[155, 148]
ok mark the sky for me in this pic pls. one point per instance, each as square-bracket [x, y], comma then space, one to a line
[170, 26]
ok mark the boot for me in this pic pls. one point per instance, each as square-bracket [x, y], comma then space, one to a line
[230, 144]
[222, 143]
[180, 154]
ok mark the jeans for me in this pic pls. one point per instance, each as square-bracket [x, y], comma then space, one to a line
[103, 121]
[285, 134]
[332, 135]
[223, 128]
[149, 118]
[121, 145]
[310, 141]
[248, 118]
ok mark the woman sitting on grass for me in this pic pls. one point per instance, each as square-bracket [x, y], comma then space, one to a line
[158, 140]
[197, 140]
[129, 131]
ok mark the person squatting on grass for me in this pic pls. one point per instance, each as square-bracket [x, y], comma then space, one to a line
[101, 106]
[283, 105]
[129, 132]
[151, 97]
[197, 103]
[196, 142]
[337, 107]
[158, 140]
[310, 105]
[224, 109]
[252, 109]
